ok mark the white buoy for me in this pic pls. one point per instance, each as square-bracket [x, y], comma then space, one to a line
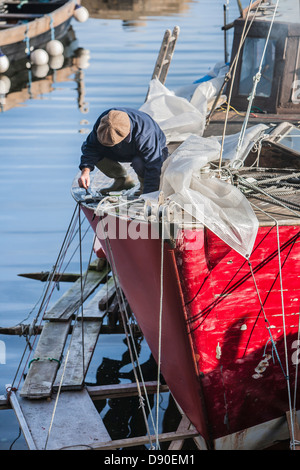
[81, 14]
[82, 58]
[40, 71]
[54, 48]
[4, 63]
[4, 85]
[56, 62]
[39, 57]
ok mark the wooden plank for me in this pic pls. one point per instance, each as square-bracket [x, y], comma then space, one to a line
[184, 425]
[45, 275]
[113, 312]
[170, 51]
[20, 16]
[101, 392]
[162, 54]
[21, 419]
[92, 310]
[137, 441]
[105, 329]
[294, 436]
[20, 330]
[108, 293]
[4, 403]
[76, 423]
[46, 360]
[67, 305]
[74, 371]
[198, 439]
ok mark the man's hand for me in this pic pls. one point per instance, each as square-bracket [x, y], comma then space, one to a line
[84, 180]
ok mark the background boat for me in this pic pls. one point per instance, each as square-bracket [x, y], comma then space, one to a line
[32, 24]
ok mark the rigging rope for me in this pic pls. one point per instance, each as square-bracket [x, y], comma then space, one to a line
[160, 320]
[82, 286]
[234, 66]
[228, 74]
[256, 78]
[128, 330]
[45, 300]
[286, 374]
[274, 200]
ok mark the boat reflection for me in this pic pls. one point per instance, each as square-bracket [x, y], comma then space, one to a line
[134, 13]
[24, 81]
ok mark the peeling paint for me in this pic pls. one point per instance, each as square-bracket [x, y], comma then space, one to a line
[261, 367]
[218, 351]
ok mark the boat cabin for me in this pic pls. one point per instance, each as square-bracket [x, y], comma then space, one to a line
[278, 90]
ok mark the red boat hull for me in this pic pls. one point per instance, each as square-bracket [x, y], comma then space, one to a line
[223, 331]
[238, 327]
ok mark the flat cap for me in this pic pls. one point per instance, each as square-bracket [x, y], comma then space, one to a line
[113, 128]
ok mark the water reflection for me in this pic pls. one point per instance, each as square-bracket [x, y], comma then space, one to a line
[123, 417]
[134, 13]
[24, 81]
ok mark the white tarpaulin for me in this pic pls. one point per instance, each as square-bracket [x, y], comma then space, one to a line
[217, 204]
[175, 115]
[183, 112]
[252, 135]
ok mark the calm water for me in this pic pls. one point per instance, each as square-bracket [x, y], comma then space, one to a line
[40, 141]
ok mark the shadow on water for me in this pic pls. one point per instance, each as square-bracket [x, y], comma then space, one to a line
[123, 417]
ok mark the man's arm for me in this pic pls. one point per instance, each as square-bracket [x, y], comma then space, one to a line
[91, 149]
[151, 152]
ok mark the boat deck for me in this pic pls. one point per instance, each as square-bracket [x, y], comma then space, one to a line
[236, 120]
[270, 214]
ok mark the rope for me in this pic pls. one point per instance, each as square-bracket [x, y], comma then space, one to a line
[160, 323]
[265, 317]
[259, 190]
[297, 367]
[284, 327]
[69, 237]
[45, 300]
[81, 287]
[256, 78]
[234, 65]
[51, 27]
[28, 65]
[228, 75]
[69, 347]
[278, 178]
[127, 327]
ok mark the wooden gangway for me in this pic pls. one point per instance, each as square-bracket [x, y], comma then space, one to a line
[54, 407]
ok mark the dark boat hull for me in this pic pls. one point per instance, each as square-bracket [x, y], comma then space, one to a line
[37, 32]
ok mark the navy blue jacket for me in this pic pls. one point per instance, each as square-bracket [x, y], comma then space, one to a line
[146, 140]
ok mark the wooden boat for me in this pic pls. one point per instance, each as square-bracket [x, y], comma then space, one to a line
[223, 324]
[33, 21]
